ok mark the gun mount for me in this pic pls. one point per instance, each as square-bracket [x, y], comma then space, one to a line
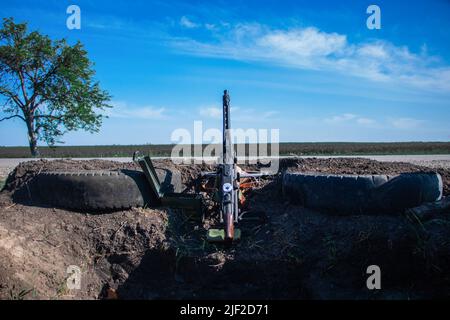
[228, 187]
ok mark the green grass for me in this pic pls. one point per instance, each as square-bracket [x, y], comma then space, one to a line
[2, 183]
[300, 149]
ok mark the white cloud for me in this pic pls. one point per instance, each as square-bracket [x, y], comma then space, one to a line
[187, 23]
[238, 113]
[211, 112]
[210, 26]
[122, 110]
[405, 123]
[376, 51]
[341, 118]
[312, 49]
[269, 114]
[350, 118]
[304, 42]
[365, 121]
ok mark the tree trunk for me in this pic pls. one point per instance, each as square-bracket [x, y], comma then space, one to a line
[33, 147]
[32, 139]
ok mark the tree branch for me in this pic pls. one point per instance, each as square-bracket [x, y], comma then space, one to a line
[48, 116]
[22, 85]
[39, 83]
[14, 116]
[12, 96]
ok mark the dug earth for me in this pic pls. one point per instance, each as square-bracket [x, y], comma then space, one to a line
[162, 253]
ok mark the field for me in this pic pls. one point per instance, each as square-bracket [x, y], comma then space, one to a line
[301, 149]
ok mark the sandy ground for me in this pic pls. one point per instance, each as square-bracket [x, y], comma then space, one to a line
[430, 161]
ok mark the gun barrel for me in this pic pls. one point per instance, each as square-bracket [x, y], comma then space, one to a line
[226, 110]
[228, 154]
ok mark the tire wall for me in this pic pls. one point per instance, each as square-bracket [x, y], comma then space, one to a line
[348, 194]
[98, 190]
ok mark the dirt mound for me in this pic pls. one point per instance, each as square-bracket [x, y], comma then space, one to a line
[360, 166]
[25, 171]
[161, 253]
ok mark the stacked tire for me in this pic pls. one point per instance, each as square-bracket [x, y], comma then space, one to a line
[350, 194]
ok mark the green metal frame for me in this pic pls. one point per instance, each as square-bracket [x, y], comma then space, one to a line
[187, 201]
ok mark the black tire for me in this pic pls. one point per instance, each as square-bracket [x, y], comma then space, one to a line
[100, 190]
[350, 194]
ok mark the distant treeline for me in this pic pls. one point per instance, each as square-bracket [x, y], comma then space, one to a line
[301, 149]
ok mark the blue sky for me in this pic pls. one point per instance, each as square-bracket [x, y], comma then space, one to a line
[309, 68]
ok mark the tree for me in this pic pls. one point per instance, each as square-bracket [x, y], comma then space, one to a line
[47, 84]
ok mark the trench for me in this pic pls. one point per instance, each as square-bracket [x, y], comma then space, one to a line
[295, 253]
[162, 275]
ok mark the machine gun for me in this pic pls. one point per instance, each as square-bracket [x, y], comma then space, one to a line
[227, 186]
[228, 183]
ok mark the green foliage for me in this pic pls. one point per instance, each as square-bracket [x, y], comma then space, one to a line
[48, 84]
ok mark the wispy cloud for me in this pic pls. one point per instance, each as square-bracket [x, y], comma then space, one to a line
[405, 123]
[249, 115]
[269, 114]
[187, 23]
[123, 110]
[366, 121]
[238, 113]
[350, 118]
[211, 112]
[341, 118]
[313, 49]
[210, 26]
